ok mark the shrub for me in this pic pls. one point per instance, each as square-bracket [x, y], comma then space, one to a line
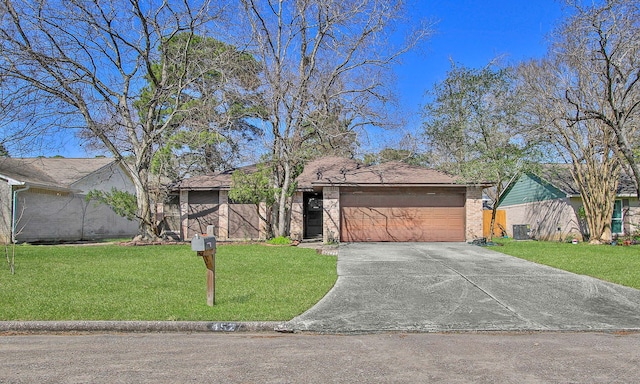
[280, 240]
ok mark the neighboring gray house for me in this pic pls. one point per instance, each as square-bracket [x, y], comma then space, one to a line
[343, 200]
[43, 199]
[548, 203]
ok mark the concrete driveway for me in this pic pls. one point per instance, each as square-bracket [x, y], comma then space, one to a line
[435, 287]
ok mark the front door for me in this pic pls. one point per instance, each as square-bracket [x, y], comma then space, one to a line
[312, 215]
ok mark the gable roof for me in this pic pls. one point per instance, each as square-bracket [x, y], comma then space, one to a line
[218, 180]
[339, 171]
[559, 176]
[56, 173]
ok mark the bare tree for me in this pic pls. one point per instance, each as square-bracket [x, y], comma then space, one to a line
[90, 61]
[600, 45]
[326, 74]
[588, 145]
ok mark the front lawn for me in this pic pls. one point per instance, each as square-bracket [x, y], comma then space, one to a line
[617, 264]
[111, 282]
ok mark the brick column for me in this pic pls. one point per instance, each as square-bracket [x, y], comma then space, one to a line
[296, 228]
[262, 226]
[223, 215]
[184, 215]
[331, 214]
[473, 209]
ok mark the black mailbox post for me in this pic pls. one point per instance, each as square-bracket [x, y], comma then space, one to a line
[206, 248]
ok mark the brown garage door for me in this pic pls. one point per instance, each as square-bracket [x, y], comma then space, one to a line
[403, 214]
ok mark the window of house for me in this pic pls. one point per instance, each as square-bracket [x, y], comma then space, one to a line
[616, 219]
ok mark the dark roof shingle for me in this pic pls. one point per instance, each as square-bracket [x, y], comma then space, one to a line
[339, 171]
[559, 175]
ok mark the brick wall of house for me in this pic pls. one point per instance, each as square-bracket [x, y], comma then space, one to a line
[296, 229]
[331, 214]
[548, 220]
[473, 213]
[223, 215]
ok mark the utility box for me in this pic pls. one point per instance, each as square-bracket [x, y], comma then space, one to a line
[200, 243]
[522, 232]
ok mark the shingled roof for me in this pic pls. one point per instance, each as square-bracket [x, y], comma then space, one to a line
[339, 171]
[58, 173]
[218, 180]
[559, 175]
[329, 171]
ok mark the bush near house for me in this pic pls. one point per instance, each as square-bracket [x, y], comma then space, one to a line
[616, 264]
[111, 282]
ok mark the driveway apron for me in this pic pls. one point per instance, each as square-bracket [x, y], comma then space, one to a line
[435, 287]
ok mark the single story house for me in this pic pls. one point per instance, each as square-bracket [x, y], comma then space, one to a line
[43, 200]
[547, 205]
[339, 199]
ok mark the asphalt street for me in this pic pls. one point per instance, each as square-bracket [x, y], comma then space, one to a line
[311, 358]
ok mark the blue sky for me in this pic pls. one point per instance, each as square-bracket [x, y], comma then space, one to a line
[469, 32]
[473, 33]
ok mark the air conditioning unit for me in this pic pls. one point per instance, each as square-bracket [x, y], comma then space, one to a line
[521, 232]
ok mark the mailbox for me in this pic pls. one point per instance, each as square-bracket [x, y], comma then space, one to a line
[206, 247]
[201, 244]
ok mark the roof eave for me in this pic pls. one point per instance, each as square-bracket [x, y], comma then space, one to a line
[205, 188]
[52, 187]
[402, 185]
[11, 181]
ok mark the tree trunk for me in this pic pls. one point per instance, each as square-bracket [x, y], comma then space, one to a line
[283, 201]
[494, 210]
[598, 184]
[146, 216]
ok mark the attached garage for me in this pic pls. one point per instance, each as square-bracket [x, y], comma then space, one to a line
[393, 201]
[343, 200]
[402, 214]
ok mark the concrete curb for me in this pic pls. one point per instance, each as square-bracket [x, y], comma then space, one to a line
[135, 326]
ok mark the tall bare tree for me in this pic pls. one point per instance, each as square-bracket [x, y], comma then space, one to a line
[588, 145]
[326, 74]
[90, 61]
[600, 45]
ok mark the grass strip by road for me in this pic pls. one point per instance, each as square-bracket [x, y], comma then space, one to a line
[616, 264]
[111, 282]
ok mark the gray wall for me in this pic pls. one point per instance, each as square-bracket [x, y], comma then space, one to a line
[49, 216]
[5, 212]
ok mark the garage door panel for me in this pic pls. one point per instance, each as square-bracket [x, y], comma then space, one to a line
[403, 200]
[402, 224]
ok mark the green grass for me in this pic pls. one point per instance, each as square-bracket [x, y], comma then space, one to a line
[617, 264]
[111, 282]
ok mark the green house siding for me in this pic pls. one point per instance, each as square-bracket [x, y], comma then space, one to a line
[529, 188]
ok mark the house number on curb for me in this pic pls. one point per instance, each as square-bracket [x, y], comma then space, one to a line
[206, 247]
